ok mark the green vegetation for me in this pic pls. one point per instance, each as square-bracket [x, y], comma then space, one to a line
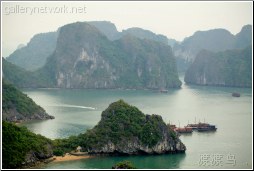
[58, 152]
[18, 106]
[62, 146]
[172, 132]
[124, 165]
[120, 123]
[19, 142]
[151, 129]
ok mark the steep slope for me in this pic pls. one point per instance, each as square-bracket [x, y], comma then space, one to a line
[228, 68]
[85, 58]
[244, 37]
[124, 129]
[20, 147]
[34, 54]
[17, 106]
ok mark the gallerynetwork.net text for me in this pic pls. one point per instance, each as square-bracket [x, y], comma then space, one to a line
[18, 9]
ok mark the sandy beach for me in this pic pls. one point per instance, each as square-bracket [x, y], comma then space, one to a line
[69, 157]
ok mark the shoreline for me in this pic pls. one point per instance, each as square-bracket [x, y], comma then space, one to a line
[55, 159]
[69, 157]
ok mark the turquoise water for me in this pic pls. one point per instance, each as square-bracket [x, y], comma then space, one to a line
[76, 111]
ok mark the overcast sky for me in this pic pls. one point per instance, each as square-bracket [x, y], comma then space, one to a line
[20, 21]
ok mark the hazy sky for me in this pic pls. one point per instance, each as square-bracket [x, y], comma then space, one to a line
[20, 21]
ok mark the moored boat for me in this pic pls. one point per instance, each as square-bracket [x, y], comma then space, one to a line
[163, 90]
[196, 126]
[202, 127]
[207, 128]
[236, 94]
[183, 130]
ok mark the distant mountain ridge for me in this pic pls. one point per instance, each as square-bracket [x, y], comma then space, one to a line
[34, 55]
[95, 61]
[85, 58]
[215, 40]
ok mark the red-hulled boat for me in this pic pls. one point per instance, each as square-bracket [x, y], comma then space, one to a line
[183, 130]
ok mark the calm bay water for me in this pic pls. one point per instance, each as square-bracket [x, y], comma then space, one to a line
[76, 111]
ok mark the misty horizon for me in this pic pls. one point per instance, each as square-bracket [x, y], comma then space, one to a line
[153, 16]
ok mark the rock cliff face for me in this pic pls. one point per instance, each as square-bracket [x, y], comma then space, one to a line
[229, 68]
[135, 147]
[85, 58]
[124, 129]
[32, 158]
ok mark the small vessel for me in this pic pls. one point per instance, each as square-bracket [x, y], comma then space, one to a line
[207, 128]
[183, 130]
[163, 90]
[196, 126]
[236, 94]
[202, 127]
